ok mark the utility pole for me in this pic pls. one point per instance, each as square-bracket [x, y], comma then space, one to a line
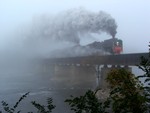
[98, 75]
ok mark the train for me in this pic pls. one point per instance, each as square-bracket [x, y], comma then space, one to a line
[113, 46]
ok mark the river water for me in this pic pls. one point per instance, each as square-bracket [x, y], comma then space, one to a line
[16, 80]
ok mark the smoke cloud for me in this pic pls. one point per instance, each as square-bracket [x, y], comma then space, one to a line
[71, 25]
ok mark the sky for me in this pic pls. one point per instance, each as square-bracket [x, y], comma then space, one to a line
[132, 17]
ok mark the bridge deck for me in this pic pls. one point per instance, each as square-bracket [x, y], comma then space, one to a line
[122, 59]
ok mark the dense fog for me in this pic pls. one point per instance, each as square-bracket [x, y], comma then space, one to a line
[35, 30]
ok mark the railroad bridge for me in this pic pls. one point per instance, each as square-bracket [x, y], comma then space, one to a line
[88, 71]
[122, 59]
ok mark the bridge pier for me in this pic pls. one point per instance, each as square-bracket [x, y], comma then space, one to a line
[74, 76]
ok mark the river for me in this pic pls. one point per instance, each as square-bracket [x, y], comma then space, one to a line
[18, 80]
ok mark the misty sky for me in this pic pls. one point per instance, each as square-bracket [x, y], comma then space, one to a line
[132, 17]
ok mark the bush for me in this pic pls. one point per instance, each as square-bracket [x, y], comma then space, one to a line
[87, 103]
[127, 93]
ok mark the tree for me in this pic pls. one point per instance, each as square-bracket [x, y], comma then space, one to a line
[126, 92]
[41, 108]
[9, 109]
[145, 67]
[87, 103]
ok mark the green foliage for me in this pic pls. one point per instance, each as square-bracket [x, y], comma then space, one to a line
[42, 108]
[145, 67]
[88, 103]
[8, 109]
[127, 93]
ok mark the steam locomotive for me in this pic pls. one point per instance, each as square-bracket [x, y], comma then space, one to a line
[113, 46]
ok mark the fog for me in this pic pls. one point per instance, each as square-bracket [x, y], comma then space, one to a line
[38, 29]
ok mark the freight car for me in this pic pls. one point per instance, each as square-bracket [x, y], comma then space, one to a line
[113, 46]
